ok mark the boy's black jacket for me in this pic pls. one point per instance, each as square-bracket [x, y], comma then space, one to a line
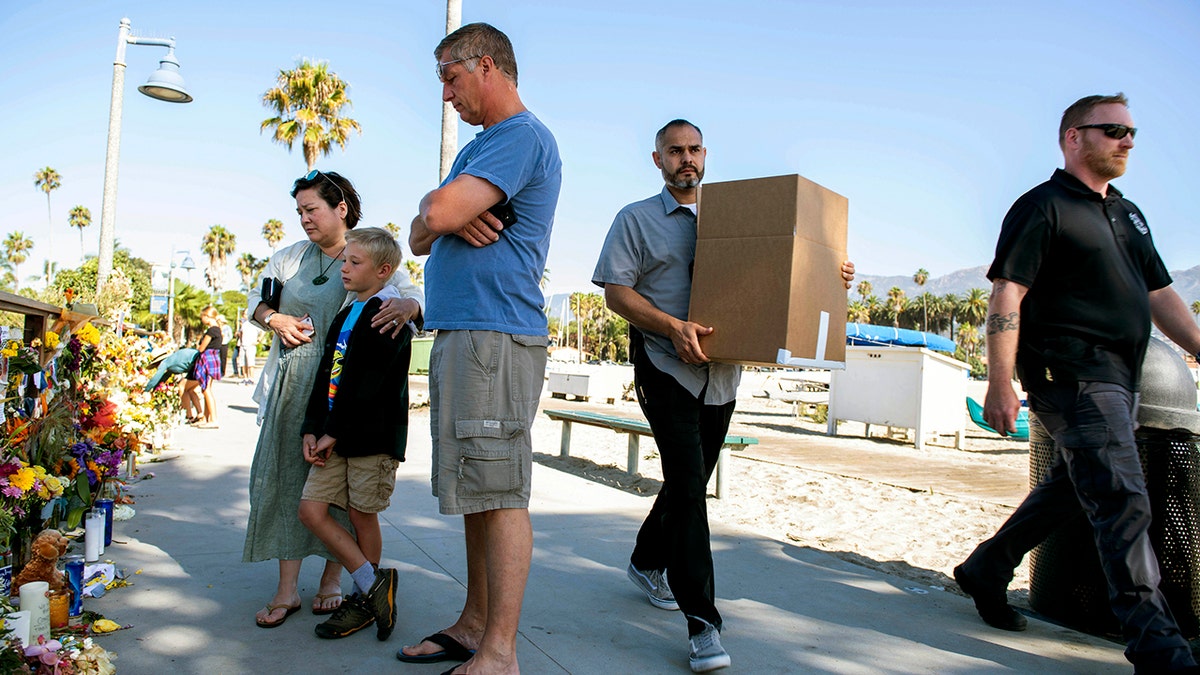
[370, 412]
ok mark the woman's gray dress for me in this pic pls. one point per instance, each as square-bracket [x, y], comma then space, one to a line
[278, 472]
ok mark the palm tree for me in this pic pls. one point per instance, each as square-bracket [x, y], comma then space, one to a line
[416, 272]
[921, 276]
[218, 244]
[272, 231]
[857, 312]
[307, 102]
[48, 180]
[1196, 307]
[864, 289]
[974, 307]
[896, 302]
[249, 267]
[545, 281]
[392, 229]
[16, 246]
[80, 217]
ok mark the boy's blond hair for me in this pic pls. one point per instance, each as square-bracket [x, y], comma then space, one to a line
[379, 245]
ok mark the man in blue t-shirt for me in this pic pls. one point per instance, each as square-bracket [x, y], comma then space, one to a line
[489, 358]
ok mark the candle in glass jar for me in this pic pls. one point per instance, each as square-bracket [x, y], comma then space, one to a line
[60, 609]
[33, 598]
[93, 537]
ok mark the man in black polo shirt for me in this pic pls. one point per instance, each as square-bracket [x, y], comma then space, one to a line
[1076, 282]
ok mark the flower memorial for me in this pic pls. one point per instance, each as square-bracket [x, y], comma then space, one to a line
[74, 414]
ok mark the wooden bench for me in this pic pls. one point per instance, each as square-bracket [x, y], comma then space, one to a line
[635, 429]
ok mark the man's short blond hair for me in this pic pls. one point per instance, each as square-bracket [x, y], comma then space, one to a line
[379, 245]
[1079, 112]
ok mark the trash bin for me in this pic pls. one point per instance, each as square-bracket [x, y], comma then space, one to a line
[1066, 580]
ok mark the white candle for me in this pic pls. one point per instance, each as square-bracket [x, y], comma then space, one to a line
[93, 537]
[33, 598]
[18, 623]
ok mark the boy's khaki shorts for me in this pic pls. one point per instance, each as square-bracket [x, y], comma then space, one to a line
[364, 484]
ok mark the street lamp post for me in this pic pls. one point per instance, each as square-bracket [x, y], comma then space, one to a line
[186, 264]
[165, 85]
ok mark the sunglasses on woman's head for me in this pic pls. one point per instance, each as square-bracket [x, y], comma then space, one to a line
[312, 175]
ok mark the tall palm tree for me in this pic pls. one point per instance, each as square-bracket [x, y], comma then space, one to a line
[308, 102]
[864, 289]
[392, 229]
[218, 244]
[921, 276]
[449, 147]
[857, 312]
[48, 180]
[249, 267]
[16, 247]
[272, 231]
[974, 307]
[1196, 307]
[896, 302]
[545, 281]
[80, 217]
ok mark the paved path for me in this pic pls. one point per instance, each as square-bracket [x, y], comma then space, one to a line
[788, 608]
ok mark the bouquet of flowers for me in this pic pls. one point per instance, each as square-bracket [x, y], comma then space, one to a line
[24, 489]
[68, 655]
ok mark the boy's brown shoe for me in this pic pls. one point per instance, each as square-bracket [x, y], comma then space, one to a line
[381, 599]
[353, 615]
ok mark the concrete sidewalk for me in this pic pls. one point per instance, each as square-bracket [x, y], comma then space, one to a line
[787, 608]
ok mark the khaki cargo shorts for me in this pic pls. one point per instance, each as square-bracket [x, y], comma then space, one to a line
[484, 388]
[362, 483]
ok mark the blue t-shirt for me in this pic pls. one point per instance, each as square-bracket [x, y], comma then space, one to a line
[497, 287]
[339, 348]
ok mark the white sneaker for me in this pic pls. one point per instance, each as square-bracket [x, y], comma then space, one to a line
[706, 650]
[654, 584]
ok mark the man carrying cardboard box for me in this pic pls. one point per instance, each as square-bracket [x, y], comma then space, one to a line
[1075, 284]
[645, 269]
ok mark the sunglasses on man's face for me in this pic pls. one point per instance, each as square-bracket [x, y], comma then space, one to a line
[312, 175]
[1117, 131]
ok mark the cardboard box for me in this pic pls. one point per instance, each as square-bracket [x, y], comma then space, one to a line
[767, 272]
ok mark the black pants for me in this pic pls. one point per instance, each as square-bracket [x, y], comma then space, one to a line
[675, 535]
[1096, 470]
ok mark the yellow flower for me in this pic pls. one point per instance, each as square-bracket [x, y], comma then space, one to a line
[52, 339]
[89, 334]
[23, 478]
[8, 353]
[35, 343]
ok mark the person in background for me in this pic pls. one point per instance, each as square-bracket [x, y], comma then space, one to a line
[206, 370]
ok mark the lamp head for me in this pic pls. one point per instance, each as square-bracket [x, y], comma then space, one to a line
[187, 263]
[166, 84]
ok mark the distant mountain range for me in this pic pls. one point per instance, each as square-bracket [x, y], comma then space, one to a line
[1186, 283]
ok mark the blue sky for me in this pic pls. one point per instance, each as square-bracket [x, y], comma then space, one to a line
[931, 117]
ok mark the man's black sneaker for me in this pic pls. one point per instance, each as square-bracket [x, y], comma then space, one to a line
[353, 615]
[992, 605]
[382, 601]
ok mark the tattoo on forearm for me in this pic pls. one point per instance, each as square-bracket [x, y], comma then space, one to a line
[999, 324]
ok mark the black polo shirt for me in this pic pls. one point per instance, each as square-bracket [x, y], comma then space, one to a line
[1089, 263]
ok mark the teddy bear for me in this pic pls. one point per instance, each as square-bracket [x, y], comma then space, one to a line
[46, 547]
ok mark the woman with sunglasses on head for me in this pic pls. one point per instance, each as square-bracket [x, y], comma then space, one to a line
[312, 295]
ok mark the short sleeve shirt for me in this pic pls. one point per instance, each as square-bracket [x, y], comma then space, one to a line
[1089, 263]
[497, 287]
[650, 248]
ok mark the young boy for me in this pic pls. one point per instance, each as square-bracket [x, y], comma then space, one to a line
[354, 434]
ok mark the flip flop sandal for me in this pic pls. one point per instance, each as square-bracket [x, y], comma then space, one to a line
[275, 624]
[452, 650]
[322, 597]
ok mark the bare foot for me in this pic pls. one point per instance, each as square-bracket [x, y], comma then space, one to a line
[281, 605]
[427, 647]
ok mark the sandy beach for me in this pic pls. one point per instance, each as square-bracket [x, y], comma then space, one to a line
[881, 520]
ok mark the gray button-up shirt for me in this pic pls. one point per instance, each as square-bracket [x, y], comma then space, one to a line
[650, 249]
